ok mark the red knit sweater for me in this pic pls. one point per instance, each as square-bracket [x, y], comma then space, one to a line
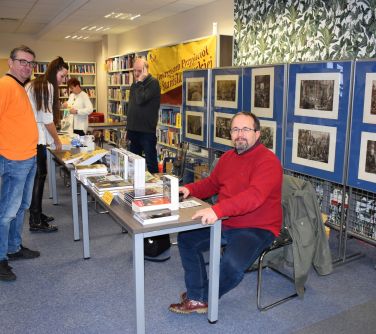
[249, 188]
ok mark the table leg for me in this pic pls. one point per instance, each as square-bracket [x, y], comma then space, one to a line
[49, 162]
[85, 223]
[53, 181]
[215, 246]
[76, 227]
[138, 267]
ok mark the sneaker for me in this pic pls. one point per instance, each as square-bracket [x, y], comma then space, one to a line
[46, 219]
[6, 273]
[23, 253]
[188, 306]
[43, 227]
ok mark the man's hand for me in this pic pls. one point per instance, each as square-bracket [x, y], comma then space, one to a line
[73, 111]
[185, 191]
[207, 215]
[144, 74]
[58, 145]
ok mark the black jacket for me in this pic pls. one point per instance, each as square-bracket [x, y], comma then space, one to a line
[143, 105]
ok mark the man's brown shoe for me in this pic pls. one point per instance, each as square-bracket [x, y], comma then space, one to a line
[189, 306]
[183, 296]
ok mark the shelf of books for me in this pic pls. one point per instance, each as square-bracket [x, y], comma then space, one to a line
[119, 80]
[169, 130]
[84, 72]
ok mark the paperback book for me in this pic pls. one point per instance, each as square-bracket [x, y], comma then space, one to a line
[90, 157]
[150, 204]
[171, 190]
[154, 217]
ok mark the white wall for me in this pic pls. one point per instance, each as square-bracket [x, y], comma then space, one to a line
[191, 24]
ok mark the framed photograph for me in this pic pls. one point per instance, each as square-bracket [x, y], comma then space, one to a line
[314, 146]
[317, 95]
[194, 125]
[222, 126]
[262, 92]
[195, 92]
[367, 158]
[369, 111]
[226, 91]
[268, 134]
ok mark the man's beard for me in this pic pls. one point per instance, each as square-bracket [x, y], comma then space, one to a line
[241, 145]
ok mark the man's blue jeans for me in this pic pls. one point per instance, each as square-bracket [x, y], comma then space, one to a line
[143, 142]
[242, 248]
[16, 187]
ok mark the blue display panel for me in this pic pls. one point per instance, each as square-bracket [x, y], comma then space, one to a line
[317, 119]
[195, 114]
[362, 155]
[226, 100]
[263, 95]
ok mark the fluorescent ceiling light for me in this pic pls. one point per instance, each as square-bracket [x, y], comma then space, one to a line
[92, 28]
[135, 17]
[84, 28]
[67, 36]
[100, 28]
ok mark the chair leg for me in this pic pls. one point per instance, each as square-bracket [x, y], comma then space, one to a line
[259, 285]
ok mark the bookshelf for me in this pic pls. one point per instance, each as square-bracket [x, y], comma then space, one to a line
[119, 80]
[169, 130]
[85, 72]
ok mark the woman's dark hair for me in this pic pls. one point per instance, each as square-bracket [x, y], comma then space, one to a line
[73, 82]
[40, 86]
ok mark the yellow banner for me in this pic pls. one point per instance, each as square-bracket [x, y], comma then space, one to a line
[167, 63]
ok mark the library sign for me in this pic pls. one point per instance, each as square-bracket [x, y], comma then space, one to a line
[167, 63]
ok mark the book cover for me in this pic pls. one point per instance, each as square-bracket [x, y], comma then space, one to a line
[150, 204]
[171, 190]
[158, 216]
[69, 157]
[91, 157]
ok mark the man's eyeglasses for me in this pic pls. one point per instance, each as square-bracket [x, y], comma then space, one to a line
[245, 130]
[24, 62]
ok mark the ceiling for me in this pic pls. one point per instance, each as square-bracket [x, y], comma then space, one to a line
[56, 19]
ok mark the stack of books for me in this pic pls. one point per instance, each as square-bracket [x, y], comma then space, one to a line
[112, 183]
[129, 195]
[154, 217]
[169, 199]
[83, 172]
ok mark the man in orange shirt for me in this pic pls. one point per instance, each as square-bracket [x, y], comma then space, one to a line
[18, 142]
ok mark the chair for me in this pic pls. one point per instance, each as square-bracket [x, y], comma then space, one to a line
[283, 240]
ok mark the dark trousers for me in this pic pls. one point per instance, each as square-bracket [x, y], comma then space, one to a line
[79, 132]
[39, 180]
[143, 142]
[242, 247]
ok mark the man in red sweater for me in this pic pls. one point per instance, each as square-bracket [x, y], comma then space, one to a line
[248, 181]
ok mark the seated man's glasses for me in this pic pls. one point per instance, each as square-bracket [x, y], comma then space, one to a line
[245, 130]
[24, 62]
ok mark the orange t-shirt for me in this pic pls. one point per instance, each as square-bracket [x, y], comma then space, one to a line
[18, 128]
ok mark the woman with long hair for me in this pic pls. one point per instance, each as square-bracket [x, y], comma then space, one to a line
[43, 93]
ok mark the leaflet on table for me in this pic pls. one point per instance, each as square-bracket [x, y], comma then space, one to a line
[188, 204]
